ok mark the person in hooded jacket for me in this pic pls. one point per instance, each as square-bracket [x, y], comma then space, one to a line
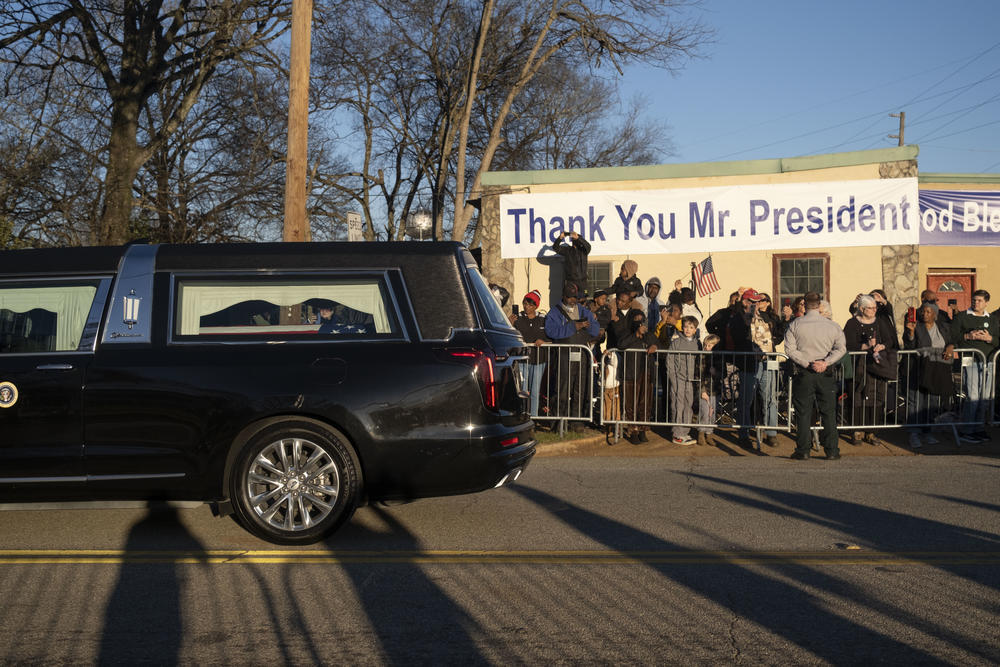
[574, 254]
[650, 302]
[571, 323]
[627, 280]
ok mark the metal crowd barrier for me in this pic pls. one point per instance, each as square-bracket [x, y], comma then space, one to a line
[882, 395]
[559, 379]
[994, 406]
[705, 390]
[695, 390]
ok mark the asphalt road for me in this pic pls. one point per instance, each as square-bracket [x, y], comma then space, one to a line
[740, 560]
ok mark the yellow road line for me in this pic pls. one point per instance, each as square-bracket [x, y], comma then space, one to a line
[585, 557]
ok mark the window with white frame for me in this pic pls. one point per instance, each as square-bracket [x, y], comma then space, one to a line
[797, 274]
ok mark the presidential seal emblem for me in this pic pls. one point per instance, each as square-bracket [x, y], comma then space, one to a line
[8, 394]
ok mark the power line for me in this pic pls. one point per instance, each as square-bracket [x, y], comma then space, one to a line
[920, 97]
[963, 115]
[969, 129]
[822, 105]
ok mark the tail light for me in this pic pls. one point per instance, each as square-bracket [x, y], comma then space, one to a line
[484, 369]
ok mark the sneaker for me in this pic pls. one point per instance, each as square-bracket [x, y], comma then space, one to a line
[634, 439]
[683, 442]
[642, 437]
[771, 441]
[833, 456]
[798, 456]
[970, 438]
[915, 441]
[857, 437]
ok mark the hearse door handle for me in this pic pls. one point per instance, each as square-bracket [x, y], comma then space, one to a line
[54, 367]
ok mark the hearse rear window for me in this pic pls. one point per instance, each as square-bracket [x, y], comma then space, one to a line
[48, 317]
[277, 308]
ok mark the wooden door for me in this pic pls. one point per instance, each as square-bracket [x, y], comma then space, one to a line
[954, 290]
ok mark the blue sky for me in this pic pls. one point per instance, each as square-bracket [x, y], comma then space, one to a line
[786, 78]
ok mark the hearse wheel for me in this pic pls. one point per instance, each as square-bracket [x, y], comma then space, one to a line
[294, 482]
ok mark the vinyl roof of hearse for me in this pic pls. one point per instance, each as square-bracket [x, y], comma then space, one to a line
[227, 256]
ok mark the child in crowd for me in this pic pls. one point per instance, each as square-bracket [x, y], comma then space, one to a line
[711, 379]
[682, 375]
[639, 358]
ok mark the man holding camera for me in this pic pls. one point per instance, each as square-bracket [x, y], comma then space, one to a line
[574, 255]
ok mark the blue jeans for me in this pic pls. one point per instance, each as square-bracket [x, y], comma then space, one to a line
[531, 378]
[976, 383]
[760, 382]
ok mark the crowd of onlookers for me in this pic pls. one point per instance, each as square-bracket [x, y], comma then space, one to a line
[639, 319]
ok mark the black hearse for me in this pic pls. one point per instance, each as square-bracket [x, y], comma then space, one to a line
[284, 383]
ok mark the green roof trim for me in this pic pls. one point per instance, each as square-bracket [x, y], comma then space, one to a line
[701, 169]
[970, 179]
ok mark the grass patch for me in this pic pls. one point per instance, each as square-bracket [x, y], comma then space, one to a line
[547, 437]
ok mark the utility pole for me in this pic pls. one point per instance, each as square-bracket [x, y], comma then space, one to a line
[296, 225]
[902, 124]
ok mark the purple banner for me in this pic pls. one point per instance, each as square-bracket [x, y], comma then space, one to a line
[959, 217]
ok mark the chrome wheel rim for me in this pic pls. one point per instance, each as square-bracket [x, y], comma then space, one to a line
[293, 484]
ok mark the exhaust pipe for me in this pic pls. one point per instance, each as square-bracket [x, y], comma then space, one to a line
[509, 477]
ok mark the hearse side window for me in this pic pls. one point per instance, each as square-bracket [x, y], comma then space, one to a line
[283, 308]
[488, 304]
[48, 317]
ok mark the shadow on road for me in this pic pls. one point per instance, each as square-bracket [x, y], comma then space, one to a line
[143, 620]
[415, 621]
[782, 598]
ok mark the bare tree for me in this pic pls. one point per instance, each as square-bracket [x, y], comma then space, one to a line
[577, 31]
[48, 193]
[359, 72]
[128, 51]
[475, 68]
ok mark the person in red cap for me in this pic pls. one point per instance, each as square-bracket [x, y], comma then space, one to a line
[531, 325]
[745, 329]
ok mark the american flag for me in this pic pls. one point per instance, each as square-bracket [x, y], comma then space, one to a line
[704, 277]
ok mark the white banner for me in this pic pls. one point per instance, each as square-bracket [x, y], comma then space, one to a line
[739, 217]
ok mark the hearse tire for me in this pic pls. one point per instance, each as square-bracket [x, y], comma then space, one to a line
[294, 482]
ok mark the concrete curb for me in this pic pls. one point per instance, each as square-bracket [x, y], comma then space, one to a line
[725, 443]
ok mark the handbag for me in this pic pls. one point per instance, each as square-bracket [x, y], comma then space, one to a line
[936, 378]
[887, 365]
